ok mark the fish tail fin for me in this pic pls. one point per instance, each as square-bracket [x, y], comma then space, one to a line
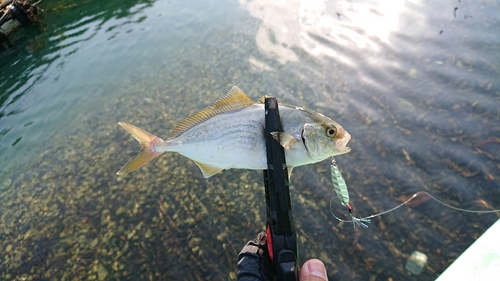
[147, 153]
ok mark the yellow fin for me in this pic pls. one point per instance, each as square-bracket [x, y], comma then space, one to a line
[290, 168]
[147, 141]
[208, 170]
[286, 140]
[233, 100]
[263, 99]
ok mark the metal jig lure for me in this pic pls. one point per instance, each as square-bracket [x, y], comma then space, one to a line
[343, 194]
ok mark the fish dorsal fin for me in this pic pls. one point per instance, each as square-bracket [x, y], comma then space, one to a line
[208, 170]
[233, 100]
[262, 99]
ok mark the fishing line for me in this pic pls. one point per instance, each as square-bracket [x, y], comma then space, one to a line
[343, 194]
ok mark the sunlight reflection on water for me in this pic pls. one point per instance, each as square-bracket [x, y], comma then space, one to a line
[314, 26]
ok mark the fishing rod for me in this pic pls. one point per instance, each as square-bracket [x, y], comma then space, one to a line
[281, 237]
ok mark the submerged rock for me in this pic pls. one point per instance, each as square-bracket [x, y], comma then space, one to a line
[416, 262]
[102, 272]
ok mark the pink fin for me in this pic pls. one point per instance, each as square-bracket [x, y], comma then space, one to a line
[147, 153]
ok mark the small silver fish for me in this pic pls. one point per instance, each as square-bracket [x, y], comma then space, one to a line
[230, 134]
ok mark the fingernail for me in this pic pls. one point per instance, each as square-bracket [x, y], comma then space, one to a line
[317, 268]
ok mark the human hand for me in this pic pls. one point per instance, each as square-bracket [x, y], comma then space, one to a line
[254, 264]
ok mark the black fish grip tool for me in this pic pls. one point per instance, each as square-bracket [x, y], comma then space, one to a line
[280, 230]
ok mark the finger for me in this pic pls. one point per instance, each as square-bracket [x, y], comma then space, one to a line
[313, 270]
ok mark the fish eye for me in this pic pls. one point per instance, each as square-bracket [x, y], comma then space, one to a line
[331, 131]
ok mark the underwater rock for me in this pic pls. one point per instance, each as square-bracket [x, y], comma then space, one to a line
[5, 184]
[102, 272]
[412, 74]
[416, 262]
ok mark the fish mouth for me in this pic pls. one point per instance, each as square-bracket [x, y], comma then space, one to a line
[346, 150]
[341, 144]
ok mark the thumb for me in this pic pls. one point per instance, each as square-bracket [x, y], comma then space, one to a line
[313, 270]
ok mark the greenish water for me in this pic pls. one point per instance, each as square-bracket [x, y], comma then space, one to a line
[415, 83]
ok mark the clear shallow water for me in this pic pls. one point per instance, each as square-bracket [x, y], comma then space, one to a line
[415, 84]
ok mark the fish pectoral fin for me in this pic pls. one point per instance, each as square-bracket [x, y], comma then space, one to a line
[286, 140]
[208, 170]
